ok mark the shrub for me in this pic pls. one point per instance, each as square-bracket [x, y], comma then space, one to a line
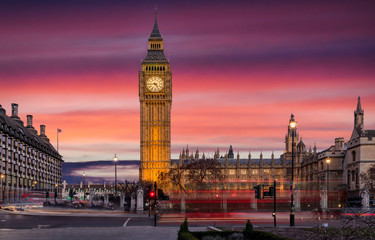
[260, 235]
[210, 237]
[248, 230]
[235, 236]
[186, 236]
[184, 231]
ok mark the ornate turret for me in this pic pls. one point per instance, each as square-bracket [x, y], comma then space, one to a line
[249, 160]
[183, 153]
[301, 147]
[272, 159]
[314, 148]
[230, 154]
[180, 160]
[358, 116]
[261, 159]
[197, 154]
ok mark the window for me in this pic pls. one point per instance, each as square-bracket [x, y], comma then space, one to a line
[321, 165]
[232, 171]
[353, 156]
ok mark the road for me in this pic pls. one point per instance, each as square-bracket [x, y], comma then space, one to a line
[67, 218]
[263, 219]
[16, 221]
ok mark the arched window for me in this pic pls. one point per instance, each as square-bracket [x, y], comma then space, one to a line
[354, 156]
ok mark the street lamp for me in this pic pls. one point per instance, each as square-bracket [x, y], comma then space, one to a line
[328, 161]
[115, 159]
[2, 192]
[292, 125]
[84, 188]
[84, 175]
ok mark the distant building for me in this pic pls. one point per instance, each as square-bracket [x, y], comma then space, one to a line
[341, 169]
[29, 163]
[360, 156]
[326, 179]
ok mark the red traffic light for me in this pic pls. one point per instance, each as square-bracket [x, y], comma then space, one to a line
[152, 194]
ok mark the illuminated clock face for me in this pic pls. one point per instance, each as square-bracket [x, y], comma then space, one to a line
[155, 84]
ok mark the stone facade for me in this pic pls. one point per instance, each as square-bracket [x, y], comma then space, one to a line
[29, 163]
[319, 183]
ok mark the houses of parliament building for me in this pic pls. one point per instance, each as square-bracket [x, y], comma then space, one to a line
[331, 176]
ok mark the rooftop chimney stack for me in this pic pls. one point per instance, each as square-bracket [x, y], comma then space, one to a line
[43, 130]
[339, 144]
[15, 110]
[2, 110]
[29, 121]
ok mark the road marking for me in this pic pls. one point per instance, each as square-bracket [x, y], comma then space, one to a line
[126, 222]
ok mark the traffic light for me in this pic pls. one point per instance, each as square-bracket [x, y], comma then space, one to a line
[272, 191]
[258, 193]
[152, 194]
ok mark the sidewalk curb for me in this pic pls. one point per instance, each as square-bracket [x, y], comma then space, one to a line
[70, 214]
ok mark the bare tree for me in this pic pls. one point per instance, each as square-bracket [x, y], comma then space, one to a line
[191, 175]
[173, 179]
[368, 178]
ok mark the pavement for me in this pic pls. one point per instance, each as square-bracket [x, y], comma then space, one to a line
[96, 233]
[144, 232]
[54, 223]
[78, 212]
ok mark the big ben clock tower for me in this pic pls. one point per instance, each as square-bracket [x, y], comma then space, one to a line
[155, 96]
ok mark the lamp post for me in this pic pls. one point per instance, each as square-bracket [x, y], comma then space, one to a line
[328, 161]
[115, 159]
[2, 187]
[84, 188]
[84, 175]
[292, 126]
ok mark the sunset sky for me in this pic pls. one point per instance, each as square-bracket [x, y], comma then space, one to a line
[240, 68]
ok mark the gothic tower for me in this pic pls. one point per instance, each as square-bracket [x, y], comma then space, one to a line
[358, 116]
[155, 97]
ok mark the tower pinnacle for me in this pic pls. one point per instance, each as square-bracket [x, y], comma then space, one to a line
[155, 34]
[358, 116]
[359, 107]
